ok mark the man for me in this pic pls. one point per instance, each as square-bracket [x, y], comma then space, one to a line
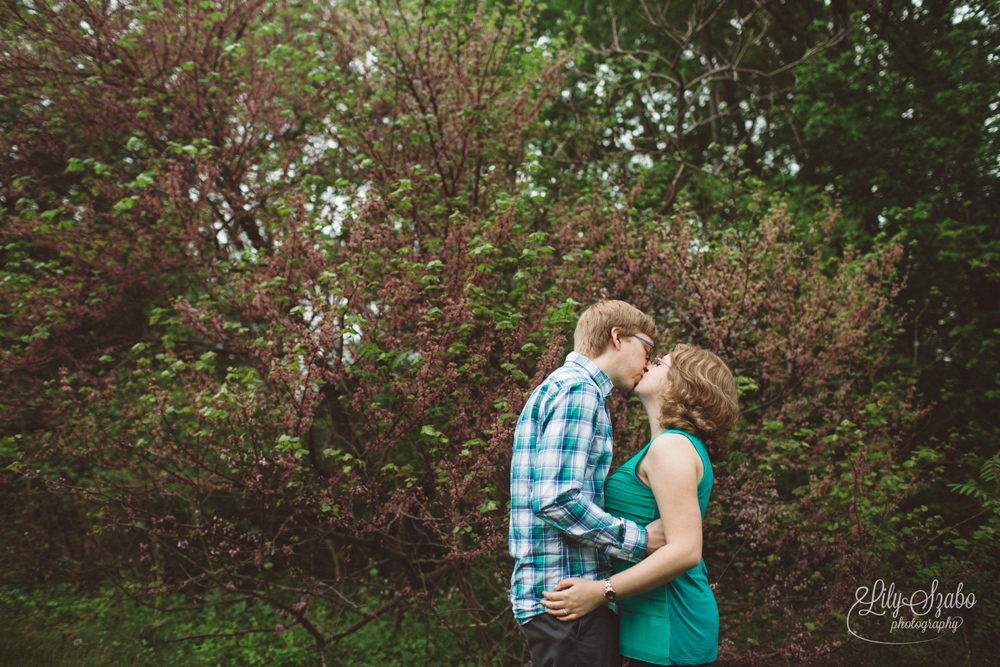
[562, 453]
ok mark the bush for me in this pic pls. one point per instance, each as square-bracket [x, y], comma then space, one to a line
[268, 325]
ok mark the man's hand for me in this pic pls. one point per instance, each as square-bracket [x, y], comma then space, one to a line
[656, 538]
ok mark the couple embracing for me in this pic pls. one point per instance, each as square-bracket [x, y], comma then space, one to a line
[612, 567]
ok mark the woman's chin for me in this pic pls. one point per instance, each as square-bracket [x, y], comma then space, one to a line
[642, 390]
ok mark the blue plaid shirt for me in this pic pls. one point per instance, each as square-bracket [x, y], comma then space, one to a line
[562, 453]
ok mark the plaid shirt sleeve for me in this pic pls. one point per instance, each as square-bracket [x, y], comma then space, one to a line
[563, 467]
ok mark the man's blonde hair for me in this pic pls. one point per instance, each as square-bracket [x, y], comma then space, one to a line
[593, 330]
[701, 398]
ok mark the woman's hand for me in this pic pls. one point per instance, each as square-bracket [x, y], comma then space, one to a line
[574, 598]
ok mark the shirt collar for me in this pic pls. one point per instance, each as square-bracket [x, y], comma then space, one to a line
[599, 377]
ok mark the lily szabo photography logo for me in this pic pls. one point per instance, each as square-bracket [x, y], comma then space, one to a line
[914, 618]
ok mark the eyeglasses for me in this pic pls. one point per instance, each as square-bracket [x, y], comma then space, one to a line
[652, 348]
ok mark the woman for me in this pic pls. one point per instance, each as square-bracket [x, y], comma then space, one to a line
[668, 611]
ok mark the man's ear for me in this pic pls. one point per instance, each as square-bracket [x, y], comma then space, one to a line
[616, 338]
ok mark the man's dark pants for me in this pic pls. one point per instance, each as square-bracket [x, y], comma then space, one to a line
[591, 641]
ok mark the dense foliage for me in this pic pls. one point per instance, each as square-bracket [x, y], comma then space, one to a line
[278, 277]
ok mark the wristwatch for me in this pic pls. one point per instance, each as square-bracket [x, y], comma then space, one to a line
[609, 591]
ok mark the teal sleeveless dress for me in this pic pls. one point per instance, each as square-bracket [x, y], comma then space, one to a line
[677, 623]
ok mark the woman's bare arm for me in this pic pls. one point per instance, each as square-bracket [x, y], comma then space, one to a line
[673, 469]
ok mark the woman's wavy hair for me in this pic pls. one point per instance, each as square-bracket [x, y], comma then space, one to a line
[701, 398]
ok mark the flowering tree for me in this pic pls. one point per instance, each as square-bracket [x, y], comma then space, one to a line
[279, 281]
